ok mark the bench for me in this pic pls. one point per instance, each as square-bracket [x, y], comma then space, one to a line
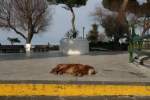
[142, 53]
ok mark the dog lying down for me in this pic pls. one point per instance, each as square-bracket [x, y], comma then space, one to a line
[73, 69]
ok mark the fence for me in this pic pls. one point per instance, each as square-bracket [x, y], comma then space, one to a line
[139, 47]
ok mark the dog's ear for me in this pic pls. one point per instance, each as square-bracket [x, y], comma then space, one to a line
[54, 70]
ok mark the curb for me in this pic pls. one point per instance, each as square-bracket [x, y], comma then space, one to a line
[73, 90]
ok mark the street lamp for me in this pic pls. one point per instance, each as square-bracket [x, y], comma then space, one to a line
[83, 31]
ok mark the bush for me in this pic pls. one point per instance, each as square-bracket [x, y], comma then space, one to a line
[72, 34]
[109, 45]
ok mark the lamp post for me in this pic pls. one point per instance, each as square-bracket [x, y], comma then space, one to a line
[83, 31]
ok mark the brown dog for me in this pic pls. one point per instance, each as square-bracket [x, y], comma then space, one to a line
[74, 69]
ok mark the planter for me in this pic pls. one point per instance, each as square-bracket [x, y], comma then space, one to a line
[74, 46]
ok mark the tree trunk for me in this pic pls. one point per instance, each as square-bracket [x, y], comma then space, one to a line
[29, 38]
[73, 19]
[146, 26]
[116, 39]
[121, 13]
[124, 5]
[28, 44]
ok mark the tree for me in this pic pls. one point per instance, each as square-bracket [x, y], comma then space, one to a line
[102, 37]
[25, 17]
[113, 29]
[69, 4]
[130, 6]
[93, 34]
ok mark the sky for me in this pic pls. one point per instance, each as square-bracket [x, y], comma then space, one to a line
[61, 23]
[142, 1]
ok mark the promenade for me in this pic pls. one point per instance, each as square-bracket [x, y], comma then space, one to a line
[110, 66]
[28, 78]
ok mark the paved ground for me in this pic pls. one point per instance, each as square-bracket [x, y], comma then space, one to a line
[111, 66]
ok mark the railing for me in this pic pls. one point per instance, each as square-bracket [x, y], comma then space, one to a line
[12, 49]
[146, 45]
[141, 48]
[140, 45]
[21, 48]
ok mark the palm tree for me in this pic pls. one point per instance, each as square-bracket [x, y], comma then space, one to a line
[69, 4]
[13, 40]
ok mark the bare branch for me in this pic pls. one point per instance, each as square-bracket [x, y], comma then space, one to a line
[25, 17]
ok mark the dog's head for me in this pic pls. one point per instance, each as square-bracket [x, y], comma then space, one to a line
[91, 72]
